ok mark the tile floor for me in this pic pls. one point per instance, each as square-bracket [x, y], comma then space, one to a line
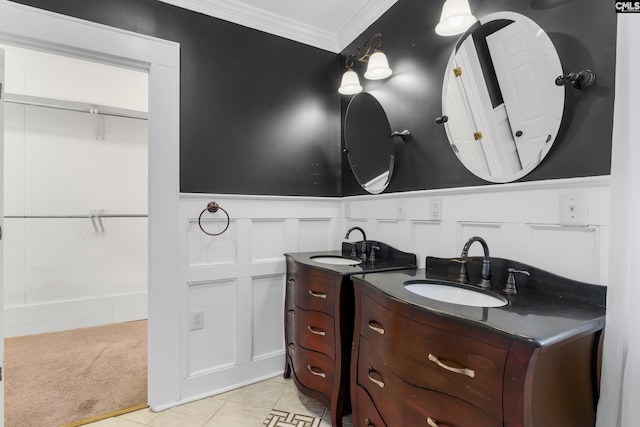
[272, 403]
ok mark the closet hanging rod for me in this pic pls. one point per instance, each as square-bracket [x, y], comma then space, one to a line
[85, 216]
[80, 107]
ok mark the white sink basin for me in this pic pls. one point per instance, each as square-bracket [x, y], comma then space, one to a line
[455, 295]
[336, 260]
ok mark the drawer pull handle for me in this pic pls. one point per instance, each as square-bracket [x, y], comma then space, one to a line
[316, 372]
[376, 326]
[291, 281]
[463, 371]
[316, 331]
[368, 423]
[292, 348]
[291, 312]
[432, 422]
[317, 294]
[376, 381]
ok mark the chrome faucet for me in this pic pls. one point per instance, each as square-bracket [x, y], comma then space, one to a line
[363, 253]
[485, 282]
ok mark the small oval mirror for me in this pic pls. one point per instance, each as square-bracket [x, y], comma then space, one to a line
[499, 94]
[368, 143]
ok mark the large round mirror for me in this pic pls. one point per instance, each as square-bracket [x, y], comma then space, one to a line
[369, 147]
[499, 95]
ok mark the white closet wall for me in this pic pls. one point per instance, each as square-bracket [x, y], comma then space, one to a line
[67, 270]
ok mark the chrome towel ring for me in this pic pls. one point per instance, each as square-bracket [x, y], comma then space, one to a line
[213, 208]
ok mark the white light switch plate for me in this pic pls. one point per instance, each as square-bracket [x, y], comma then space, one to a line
[573, 209]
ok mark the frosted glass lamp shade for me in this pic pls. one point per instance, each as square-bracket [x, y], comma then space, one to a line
[378, 67]
[350, 83]
[456, 18]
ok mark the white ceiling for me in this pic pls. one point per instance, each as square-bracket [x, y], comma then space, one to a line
[327, 24]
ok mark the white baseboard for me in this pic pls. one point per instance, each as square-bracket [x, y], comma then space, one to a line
[65, 315]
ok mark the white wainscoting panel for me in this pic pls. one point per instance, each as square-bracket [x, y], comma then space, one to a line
[268, 308]
[267, 240]
[558, 249]
[214, 346]
[519, 221]
[428, 238]
[238, 280]
[313, 236]
[203, 250]
[388, 232]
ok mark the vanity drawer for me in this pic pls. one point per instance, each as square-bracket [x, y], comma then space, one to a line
[435, 358]
[314, 330]
[368, 415]
[314, 292]
[403, 404]
[314, 370]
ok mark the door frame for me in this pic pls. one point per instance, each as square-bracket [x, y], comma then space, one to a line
[37, 29]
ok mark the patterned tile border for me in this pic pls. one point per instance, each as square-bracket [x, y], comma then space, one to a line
[279, 418]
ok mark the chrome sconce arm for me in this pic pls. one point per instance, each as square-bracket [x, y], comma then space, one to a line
[580, 80]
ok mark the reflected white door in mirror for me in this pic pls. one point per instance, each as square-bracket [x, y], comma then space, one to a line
[499, 95]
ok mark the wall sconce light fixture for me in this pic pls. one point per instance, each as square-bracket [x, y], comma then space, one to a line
[456, 18]
[377, 68]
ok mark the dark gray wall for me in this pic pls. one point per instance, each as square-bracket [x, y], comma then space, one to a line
[584, 34]
[259, 113]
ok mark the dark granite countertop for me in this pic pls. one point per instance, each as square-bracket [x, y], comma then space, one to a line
[546, 310]
[387, 259]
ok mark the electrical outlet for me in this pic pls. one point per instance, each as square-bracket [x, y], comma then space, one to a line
[196, 320]
[435, 209]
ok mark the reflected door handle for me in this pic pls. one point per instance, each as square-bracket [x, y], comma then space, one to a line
[519, 133]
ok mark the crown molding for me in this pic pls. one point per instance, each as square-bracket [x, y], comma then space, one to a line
[279, 25]
[363, 19]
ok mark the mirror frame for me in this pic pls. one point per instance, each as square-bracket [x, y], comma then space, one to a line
[502, 153]
[368, 143]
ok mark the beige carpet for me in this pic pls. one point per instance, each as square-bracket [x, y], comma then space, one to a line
[63, 377]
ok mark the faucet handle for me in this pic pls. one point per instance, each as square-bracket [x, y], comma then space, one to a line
[372, 256]
[363, 253]
[463, 276]
[353, 250]
[510, 286]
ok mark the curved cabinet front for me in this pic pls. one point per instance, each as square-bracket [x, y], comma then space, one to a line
[402, 403]
[435, 358]
[415, 367]
[319, 331]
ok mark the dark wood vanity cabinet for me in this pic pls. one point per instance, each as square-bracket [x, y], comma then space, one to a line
[412, 367]
[319, 312]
